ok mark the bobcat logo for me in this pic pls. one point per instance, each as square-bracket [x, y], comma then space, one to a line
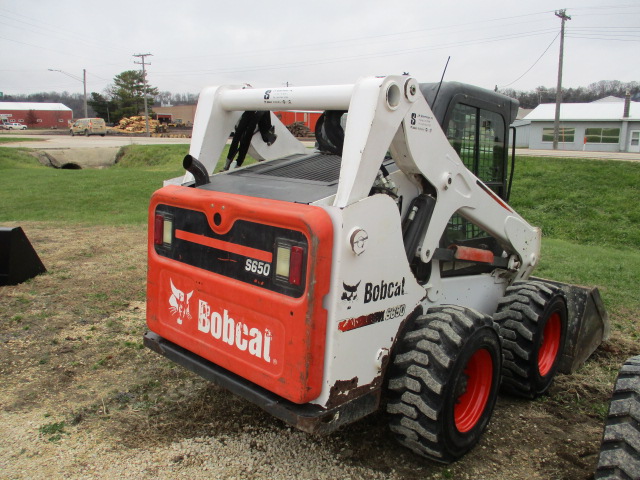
[350, 293]
[179, 303]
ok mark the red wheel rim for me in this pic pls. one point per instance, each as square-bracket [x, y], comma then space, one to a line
[470, 405]
[550, 344]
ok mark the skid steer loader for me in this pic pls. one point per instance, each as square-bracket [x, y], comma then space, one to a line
[383, 268]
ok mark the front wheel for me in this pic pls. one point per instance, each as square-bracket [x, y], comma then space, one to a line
[444, 382]
[533, 327]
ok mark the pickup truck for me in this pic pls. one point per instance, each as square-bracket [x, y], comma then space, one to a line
[14, 126]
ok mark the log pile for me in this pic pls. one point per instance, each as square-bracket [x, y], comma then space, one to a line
[299, 129]
[137, 124]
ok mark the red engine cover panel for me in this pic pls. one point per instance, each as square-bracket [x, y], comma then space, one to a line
[273, 339]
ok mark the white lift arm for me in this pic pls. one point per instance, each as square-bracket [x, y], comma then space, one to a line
[385, 113]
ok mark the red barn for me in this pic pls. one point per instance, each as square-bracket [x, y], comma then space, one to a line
[36, 115]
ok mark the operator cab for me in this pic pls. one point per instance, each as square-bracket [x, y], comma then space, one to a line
[475, 121]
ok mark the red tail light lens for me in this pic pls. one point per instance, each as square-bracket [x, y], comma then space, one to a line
[295, 267]
[158, 230]
[290, 264]
[162, 230]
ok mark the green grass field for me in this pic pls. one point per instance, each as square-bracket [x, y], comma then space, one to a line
[589, 214]
[19, 139]
[588, 209]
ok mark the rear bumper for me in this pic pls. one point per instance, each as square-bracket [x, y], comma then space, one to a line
[307, 417]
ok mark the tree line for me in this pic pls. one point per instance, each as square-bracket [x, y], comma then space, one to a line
[125, 96]
[594, 91]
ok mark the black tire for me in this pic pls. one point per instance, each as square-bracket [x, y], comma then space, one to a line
[434, 402]
[71, 132]
[533, 327]
[86, 133]
[620, 451]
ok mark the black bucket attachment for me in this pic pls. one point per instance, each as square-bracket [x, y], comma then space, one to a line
[588, 324]
[18, 260]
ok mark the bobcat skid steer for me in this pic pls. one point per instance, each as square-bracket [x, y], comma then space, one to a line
[383, 268]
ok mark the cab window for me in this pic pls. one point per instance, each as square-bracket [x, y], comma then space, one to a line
[478, 136]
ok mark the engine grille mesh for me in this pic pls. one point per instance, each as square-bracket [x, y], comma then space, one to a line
[317, 168]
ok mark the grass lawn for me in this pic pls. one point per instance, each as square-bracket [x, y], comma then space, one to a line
[590, 218]
[588, 209]
[114, 196]
[19, 139]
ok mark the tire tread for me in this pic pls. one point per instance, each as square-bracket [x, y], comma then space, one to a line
[620, 450]
[518, 316]
[419, 372]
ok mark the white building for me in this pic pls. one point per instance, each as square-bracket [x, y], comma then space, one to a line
[595, 127]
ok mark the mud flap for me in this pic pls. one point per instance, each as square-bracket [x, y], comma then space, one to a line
[588, 324]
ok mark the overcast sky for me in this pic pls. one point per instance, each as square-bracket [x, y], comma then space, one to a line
[269, 43]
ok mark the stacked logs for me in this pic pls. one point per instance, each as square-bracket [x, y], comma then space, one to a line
[138, 124]
[299, 129]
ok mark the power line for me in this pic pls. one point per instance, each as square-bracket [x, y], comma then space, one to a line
[307, 63]
[608, 7]
[54, 31]
[40, 47]
[600, 38]
[534, 63]
[368, 38]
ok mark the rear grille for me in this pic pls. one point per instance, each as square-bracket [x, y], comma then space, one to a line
[317, 168]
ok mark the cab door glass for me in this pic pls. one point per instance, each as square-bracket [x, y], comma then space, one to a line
[461, 133]
[491, 153]
[478, 136]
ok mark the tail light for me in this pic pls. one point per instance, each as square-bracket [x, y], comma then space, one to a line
[295, 266]
[290, 263]
[162, 230]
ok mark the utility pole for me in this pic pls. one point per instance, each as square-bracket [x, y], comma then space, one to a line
[562, 15]
[144, 82]
[84, 83]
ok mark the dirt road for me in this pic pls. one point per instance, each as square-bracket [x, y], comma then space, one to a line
[81, 397]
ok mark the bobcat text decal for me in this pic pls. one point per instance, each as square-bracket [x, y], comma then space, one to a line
[373, 293]
[224, 328]
[221, 326]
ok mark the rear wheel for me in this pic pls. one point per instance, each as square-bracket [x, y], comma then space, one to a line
[533, 324]
[444, 382]
[620, 452]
